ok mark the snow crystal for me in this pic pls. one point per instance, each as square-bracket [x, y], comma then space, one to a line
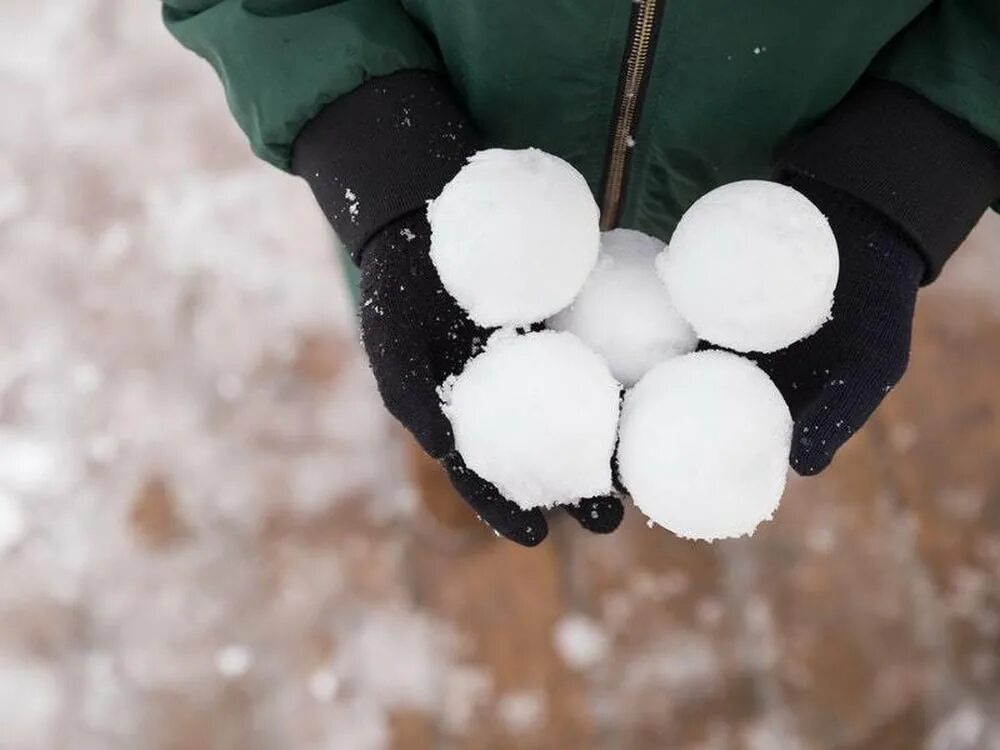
[623, 312]
[537, 416]
[752, 266]
[704, 445]
[580, 641]
[514, 236]
[352, 204]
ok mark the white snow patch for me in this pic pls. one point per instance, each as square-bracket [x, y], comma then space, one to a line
[233, 660]
[396, 658]
[580, 641]
[962, 729]
[31, 697]
[685, 662]
[522, 711]
[323, 685]
[27, 464]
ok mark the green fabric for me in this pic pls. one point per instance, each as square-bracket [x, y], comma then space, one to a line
[951, 55]
[731, 79]
[281, 61]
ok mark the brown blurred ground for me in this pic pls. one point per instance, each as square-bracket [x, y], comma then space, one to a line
[207, 537]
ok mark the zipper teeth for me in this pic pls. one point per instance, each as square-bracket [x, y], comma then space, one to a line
[635, 70]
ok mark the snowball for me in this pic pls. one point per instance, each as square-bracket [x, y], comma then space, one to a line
[752, 266]
[514, 236]
[623, 312]
[704, 445]
[537, 415]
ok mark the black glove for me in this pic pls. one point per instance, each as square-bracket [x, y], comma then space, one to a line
[373, 159]
[834, 379]
[416, 336]
[902, 183]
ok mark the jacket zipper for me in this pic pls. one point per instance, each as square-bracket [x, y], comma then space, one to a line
[634, 70]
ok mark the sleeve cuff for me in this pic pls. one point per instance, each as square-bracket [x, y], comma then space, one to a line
[382, 151]
[924, 169]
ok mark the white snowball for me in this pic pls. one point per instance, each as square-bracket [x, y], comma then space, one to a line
[623, 312]
[514, 236]
[704, 445]
[752, 266]
[537, 415]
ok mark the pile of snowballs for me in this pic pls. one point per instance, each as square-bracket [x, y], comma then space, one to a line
[702, 437]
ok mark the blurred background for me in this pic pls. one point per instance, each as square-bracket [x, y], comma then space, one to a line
[212, 537]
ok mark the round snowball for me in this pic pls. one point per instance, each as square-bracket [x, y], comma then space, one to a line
[704, 445]
[537, 415]
[624, 312]
[514, 236]
[752, 266]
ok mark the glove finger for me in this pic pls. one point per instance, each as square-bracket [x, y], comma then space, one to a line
[399, 360]
[525, 527]
[831, 419]
[600, 515]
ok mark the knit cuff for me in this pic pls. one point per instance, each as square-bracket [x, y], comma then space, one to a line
[921, 167]
[382, 151]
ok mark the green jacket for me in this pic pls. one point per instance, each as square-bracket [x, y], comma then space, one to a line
[722, 82]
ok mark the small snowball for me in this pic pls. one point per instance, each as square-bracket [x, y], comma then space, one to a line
[752, 266]
[704, 445]
[537, 415]
[514, 236]
[623, 312]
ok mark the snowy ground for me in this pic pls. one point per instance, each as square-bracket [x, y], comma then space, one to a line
[207, 538]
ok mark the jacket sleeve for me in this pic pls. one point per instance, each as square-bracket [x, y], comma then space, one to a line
[950, 55]
[282, 61]
[918, 139]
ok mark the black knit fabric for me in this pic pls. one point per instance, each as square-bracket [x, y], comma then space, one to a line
[416, 336]
[382, 151]
[923, 168]
[834, 380]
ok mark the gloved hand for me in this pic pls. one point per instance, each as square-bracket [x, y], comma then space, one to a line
[834, 380]
[373, 159]
[902, 183]
[416, 336]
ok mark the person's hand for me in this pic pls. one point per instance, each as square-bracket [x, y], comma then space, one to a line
[373, 158]
[416, 336]
[836, 378]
